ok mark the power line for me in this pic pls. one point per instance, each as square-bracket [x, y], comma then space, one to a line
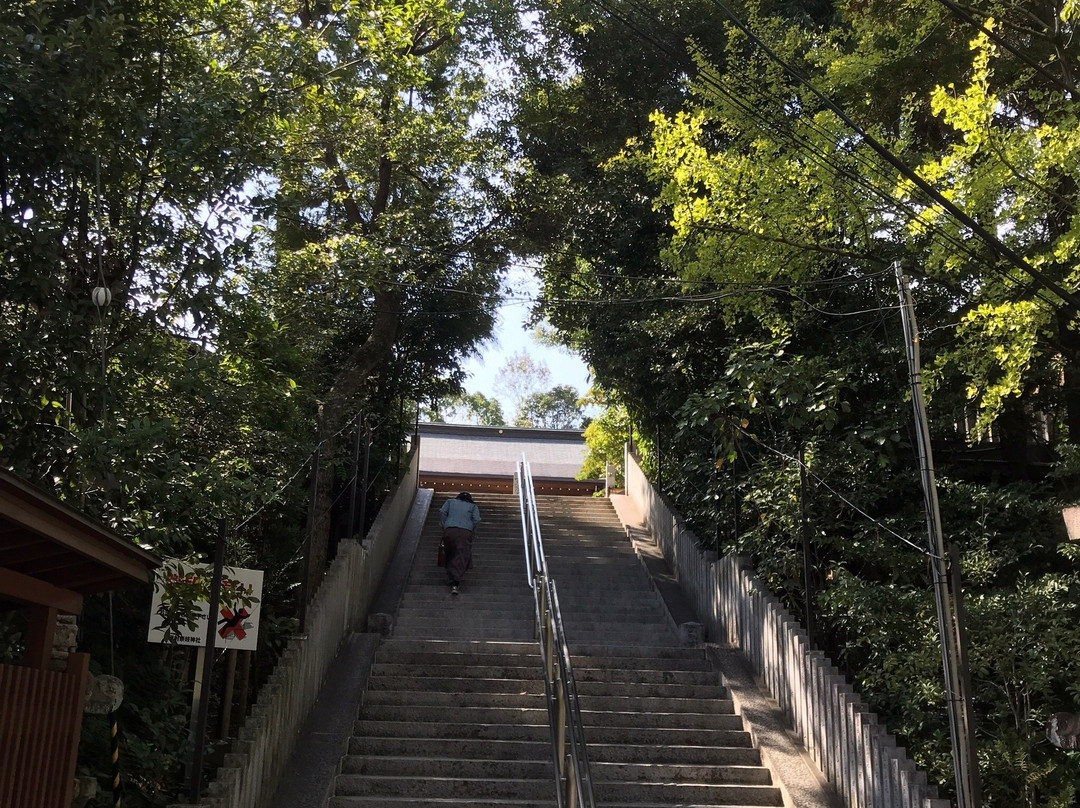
[995, 244]
[738, 97]
[999, 40]
[834, 492]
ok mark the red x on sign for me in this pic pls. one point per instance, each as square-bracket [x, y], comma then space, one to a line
[233, 623]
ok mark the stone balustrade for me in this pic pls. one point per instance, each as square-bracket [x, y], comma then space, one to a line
[251, 772]
[856, 753]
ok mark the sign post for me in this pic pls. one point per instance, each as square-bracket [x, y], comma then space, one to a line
[233, 601]
[200, 705]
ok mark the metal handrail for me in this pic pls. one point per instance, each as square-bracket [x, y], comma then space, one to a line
[574, 781]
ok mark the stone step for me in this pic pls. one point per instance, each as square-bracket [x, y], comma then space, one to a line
[650, 640]
[422, 593]
[479, 622]
[526, 669]
[639, 662]
[453, 653]
[467, 632]
[616, 655]
[522, 669]
[428, 766]
[511, 579]
[467, 748]
[445, 787]
[535, 712]
[753, 774]
[708, 721]
[461, 685]
[665, 736]
[582, 632]
[416, 802]
[601, 753]
[656, 705]
[618, 630]
[413, 729]
[671, 794]
[533, 698]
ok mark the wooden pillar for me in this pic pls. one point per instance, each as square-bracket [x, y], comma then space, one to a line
[39, 643]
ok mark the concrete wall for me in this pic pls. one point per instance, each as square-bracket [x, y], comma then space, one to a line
[249, 774]
[856, 753]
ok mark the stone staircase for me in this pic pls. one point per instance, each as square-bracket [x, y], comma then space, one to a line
[454, 711]
[659, 728]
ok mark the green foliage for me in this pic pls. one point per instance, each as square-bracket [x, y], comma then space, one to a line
[470, 408]
[290, 205]
[486, 411]
[720, 250]
[558, 408]
[605, 437]
[521, 377]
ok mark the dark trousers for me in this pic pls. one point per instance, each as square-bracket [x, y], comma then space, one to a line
[458, 544]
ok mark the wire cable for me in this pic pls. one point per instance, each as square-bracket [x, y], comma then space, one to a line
[834, 492]
[738, 97]
[994, 243]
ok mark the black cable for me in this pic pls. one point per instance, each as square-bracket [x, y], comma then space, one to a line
[1064, 84]
[805, 146]
[995, 244]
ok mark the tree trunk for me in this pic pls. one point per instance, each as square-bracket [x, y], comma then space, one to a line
[336, 412]
[1070, 372]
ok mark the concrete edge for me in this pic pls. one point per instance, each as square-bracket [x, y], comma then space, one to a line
[665, 588]
[801, 782]
[398, 571]
[323, 740]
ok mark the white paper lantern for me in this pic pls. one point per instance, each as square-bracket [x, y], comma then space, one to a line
[102, 296]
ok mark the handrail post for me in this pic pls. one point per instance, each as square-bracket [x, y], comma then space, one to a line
[569, 755]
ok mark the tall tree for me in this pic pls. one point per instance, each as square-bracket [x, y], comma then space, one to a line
[557, 408]
[381, 193]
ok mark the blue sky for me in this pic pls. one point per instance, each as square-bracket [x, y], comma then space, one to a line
[512, 335]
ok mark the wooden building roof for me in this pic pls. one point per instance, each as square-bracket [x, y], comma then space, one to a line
[47, 547]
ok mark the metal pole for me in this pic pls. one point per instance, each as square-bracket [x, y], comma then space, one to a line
[313, 498]
[399, 447]
[965, 765]
[964, 670]
[735, 504]
[364, 486]
[227, 694]
[805, 530]
[659, 463]
[355, 475]
[207, 664]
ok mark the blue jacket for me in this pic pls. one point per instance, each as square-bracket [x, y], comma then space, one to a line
[459, 513]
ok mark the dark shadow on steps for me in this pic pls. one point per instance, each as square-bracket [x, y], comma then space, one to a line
[324, 738]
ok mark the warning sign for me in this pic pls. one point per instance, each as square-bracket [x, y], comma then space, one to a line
[238, 610]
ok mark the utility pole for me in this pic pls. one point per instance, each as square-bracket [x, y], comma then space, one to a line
[201, 696]
[352, 531]
[365, 484]
[961, 725]
[804, 529]
[306, 588]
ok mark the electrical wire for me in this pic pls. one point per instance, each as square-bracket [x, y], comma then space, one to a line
[306, 464]
[1000, 41]
[991, 241]
[738, 97]
[877, 523]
